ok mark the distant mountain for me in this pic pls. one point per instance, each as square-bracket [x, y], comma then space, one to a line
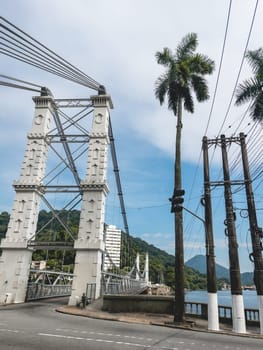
[247, 278]
[198, 263]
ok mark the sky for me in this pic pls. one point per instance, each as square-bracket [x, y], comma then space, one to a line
[114, 42]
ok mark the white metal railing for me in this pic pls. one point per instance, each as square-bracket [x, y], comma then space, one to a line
[40, 291]
[48, 284]
[121, 284]
[224, 312]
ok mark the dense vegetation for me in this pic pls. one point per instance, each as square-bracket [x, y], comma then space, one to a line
[161, 264]
[198, 263]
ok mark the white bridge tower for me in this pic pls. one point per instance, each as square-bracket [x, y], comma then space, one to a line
[89, 245]
[16, 256]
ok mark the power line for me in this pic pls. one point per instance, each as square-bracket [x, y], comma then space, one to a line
[214, 95]
[220, 66]
[240, 68]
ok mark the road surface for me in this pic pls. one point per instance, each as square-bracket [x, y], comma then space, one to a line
[37, 326]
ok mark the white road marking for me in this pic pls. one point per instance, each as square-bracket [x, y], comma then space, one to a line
[101, 341]
[9, 330]
[101, 333]
[90, 339]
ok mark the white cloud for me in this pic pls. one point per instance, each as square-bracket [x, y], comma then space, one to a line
[115, 42]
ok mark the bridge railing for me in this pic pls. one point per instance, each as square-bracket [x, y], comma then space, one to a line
[40, 291]
[120, 284]
[225, 313]
[48, 284]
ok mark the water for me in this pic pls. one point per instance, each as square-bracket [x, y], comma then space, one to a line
[224, 298]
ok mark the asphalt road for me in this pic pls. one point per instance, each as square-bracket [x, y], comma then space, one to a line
[37, 326]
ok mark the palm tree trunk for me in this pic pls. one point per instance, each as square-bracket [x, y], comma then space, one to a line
[179, 314]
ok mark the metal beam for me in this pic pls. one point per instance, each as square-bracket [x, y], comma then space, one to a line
[63, 139]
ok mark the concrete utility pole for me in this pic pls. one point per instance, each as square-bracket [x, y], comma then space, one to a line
[213, 320]
[255, 231]
[238, 314]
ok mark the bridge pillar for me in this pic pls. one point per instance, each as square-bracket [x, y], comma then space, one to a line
[89, 245]
[16, 256]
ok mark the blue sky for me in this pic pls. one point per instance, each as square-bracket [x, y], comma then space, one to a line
[114, 41]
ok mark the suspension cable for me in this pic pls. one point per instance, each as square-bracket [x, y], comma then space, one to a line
[56, 64]
[117, 177]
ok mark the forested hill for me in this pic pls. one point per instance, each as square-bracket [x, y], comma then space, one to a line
[198, 263]
[161, 264]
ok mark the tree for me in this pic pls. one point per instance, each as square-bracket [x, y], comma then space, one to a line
[252, 89]
[185, 71]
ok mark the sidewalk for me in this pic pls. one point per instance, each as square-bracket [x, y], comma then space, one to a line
[94, 310]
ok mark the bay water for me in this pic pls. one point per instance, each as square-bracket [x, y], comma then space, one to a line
[224, 298]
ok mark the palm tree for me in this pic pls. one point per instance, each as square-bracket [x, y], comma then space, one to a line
[185, 71]
[252, 89]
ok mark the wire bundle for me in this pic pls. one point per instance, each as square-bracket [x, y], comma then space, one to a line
[254, 131]
[19, 45]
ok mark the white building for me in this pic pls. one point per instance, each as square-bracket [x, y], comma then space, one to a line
[112, 247]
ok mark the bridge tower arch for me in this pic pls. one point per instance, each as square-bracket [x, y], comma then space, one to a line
[16, 256]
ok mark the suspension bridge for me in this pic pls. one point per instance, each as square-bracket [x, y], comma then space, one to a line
[66, 155]
[65, 134]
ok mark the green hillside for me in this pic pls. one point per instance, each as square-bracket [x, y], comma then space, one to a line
[161, 264]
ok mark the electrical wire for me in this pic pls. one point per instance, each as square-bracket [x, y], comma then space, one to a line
[240, 68]
[214, 95]
[219, 70]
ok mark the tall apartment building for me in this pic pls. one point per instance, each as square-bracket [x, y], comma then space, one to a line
[113, 247]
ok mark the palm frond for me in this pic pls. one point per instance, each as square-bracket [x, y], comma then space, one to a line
[255, 60]
[165, 57]
[201, 64]
[249, 89]
[161, 87]
[187, 46]
[200, 87]
[256, 110]
[173, 97]
[184, 73]
[188, 101]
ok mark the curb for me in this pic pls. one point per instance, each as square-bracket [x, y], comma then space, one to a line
[126, 319]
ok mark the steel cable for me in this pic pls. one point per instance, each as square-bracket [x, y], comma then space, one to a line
[19, 34]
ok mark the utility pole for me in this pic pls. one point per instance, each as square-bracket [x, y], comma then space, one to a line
[213, 320]
[238, 315]
[255, 231]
